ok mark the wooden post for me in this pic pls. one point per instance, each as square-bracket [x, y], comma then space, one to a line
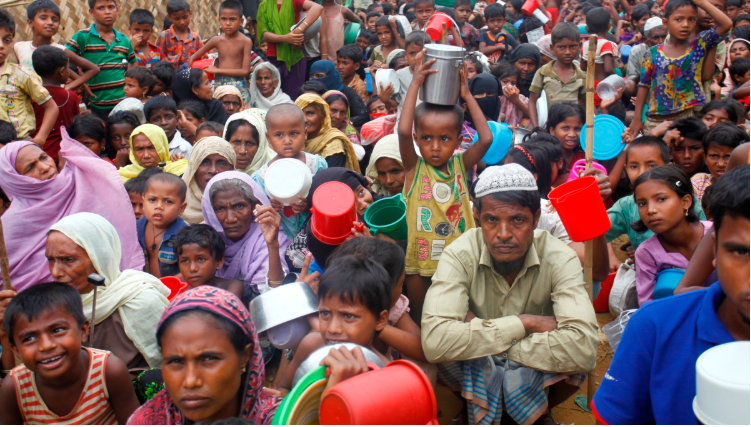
[589, 244]
[4, 266]
[445, 36]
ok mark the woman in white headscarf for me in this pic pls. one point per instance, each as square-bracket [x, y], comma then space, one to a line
[385, 167]
[130, 303]
[246, 133]
[209, 157]
[266, 87]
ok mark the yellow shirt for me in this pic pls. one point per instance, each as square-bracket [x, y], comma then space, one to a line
[550, 283]
[18, 87]
[438, 211]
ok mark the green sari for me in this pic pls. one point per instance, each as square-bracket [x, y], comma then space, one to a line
[279, 21]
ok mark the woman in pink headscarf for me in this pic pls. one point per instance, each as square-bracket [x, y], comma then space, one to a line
[40, 196]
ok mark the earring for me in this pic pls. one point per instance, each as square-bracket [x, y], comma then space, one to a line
[244, 368]
[686, 212]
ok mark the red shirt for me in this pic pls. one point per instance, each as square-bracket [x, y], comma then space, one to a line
[67, 102]
[297, 6]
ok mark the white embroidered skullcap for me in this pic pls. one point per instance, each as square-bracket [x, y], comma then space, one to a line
[652, 23]
[510, 177]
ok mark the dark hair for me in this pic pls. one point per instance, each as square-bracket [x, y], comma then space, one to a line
[48, 59]
[234, 125]
[143, 76]
[444, 110]
[743, 33]
[724, 135]
[136, 185]
[196, 109]
[650, 141]
[168, 178]
[364, 33]
[672, 5]
[410, 15]
[236, 335]
[503, 69]
[418, 38]
[690, 127]
[529, 199]
[148, 173]
[541, 167]
[336, 97]
[159, 102]
[730, 106]
[232, 5]
[313, 86]
[383, 21]
[203, 236]
[598, 20]
[398, 56]
[565, 30]
[637, 13]
[357, 280]
[388, 8]
[549, 143]
[371, 100]
[92, 3]
[371, 7]
[39, 299]
[430, 2]
[7, 21]
[389, 255]
[458, 3]
[372, 14]
[215, 127]
[736, 3]
[195, 78]
[140, 17]
[494, 10]
[88, 125]
[164, 71]
[7, 132]
[618, 110]
[373, 41]
[675, 179]
[114, 119]
[39, 5]
[729, 198]
[350, 51]
[741, 17]
[739, 67]
[558, 113]
[174, 6]
[475, 60]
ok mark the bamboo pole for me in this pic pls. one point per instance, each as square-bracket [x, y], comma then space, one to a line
[445, 35]
[589, 244]
[4, 266]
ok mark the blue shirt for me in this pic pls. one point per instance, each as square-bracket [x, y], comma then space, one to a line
[168, 265]
[652, 379]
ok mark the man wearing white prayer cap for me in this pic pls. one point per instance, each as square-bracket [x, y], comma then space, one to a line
[654, 34]
[508, 316]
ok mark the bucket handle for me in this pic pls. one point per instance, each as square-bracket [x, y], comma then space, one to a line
[371, 367]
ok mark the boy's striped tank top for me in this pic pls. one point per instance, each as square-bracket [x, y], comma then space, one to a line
[93, 407]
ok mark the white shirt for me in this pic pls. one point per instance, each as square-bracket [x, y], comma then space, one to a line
[179, 145]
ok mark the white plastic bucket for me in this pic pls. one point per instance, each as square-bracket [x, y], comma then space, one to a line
[286, 179]
[722, 385]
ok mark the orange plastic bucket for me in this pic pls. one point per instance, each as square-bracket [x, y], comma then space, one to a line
[175, 286]
[601, 303]
[529, 7]
[333, 213]
[202, 64]
[434, 27]
[400, 393]
[581, 209]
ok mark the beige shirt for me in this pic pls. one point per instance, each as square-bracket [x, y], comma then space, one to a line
[556, 90]
[549, 284]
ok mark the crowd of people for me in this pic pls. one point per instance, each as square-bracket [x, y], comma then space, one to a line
[127, 160]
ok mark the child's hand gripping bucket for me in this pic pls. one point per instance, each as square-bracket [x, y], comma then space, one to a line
[388, 216]
[400, 393]
[203, 64]
[581, 209]
[333, 213]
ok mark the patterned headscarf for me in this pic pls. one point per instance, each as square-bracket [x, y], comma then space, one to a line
[257, 404]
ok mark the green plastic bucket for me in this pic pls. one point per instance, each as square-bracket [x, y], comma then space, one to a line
[388, 216]
[351, 32]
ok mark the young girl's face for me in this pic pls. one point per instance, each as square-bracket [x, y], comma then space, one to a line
[717, 159]
[390, 174]
[205, 90]
[363, 199]
[682, 22]
[91, 143]
[265, 82]
[656, 9]
[144, 151]
[659, 206]
[120, 135]
[385, 36]
[245, 146]
[340, 321]
[471, 69]
[508, 81]
[338, 111]
[184, 130]
[568, 132]
[313, 120]
[715, 116]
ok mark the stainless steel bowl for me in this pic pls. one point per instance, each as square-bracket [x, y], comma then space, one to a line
[519, 134]
[282, 304]
[314, 360]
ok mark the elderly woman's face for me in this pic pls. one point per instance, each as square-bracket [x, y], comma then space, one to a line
[212, 165]
[144, 151]
[234, 212]
[68, 262]
[244, 144]
[525, 66]
[313, 120]
[232, 104]
[31, 161]
[265, 82]
[201, 369]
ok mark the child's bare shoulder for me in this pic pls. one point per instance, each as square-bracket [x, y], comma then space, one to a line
[10, 413]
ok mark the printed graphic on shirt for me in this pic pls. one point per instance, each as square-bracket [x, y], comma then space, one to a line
[426, 193]
[436, 249]
[441, 192]
[424, 215]
[443, 229]
[422, 249]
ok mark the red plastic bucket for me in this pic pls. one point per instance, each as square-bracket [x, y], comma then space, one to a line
[529, 7]
[601, 303]
[400, 393]
[175, 286]
[202, 64]
[333, 213]
[581, 209]
[434, 27]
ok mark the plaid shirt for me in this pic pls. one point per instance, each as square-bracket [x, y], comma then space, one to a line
[178, 51]
[155, 55]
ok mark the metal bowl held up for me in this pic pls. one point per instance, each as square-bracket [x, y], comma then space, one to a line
[443, 87]
[314, 360]
[310, 31]
[281, 305]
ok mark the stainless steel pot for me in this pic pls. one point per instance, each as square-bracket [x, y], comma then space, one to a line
[314, 360]
[443, 87]
[281, 305]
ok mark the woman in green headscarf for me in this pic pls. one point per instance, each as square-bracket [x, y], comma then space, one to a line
[275, 18]
[148, 148]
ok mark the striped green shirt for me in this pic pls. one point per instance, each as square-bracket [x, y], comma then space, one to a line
[112, 61]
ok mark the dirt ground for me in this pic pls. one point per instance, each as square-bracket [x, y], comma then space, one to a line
[568, 412]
